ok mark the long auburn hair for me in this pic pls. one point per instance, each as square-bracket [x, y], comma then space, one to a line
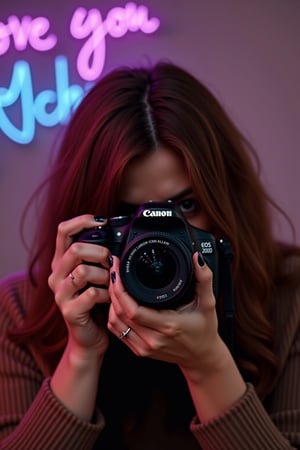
[127, 114]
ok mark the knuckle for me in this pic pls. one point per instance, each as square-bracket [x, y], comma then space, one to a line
[61, 228]
[153, 346]
[51, 281]
[170, 330]
[142, 352]
[112, 324]
[91, 292]
[75, 249]
[81, 271]
[133, 312]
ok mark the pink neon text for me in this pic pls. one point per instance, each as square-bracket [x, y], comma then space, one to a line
[84, 24]
[26, 31]
[89, 24]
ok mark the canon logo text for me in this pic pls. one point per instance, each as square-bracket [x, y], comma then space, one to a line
[156, 213]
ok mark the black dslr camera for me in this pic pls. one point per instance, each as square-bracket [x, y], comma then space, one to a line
[155, 247]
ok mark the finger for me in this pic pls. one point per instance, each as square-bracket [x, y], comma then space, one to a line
[124, 304]
[66, 231]
[80, 258]
[204, 282]
[75, 309]
[116, 325]
[75, 284]
[141, 340]
[85, 274]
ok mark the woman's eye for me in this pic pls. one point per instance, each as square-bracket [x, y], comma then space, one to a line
[188, 206]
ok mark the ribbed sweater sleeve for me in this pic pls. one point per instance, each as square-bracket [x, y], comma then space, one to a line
[49, 425]
[246, 426]
[31, 417]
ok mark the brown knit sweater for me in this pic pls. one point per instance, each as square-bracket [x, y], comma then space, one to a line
[32, 418]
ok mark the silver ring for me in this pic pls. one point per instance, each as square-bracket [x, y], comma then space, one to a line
[125, 333]
[72, 279]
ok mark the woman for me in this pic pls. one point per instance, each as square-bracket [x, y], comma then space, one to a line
[85, 365]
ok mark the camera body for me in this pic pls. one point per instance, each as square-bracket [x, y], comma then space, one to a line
[155, 248]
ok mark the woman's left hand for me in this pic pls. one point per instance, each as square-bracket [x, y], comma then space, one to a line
[187, 336]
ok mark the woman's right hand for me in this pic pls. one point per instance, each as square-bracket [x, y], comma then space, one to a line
[76, 377]
[68, 281]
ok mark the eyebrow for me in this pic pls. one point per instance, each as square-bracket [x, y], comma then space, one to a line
[181, 194]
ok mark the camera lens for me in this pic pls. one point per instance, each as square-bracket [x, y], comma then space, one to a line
[157, 270]
[155, 266]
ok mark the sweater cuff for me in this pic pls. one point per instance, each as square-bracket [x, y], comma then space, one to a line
[51, 425]
[245, 425]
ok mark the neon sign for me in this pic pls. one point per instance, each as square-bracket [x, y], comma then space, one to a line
[87, 25]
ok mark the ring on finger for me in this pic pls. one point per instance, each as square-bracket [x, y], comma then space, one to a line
[125, 333]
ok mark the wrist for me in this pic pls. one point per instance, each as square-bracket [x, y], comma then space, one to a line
[75, 380]
[217, 387]
[214, 360]
[82, 358]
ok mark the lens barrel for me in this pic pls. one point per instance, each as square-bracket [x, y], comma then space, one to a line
[157, 270]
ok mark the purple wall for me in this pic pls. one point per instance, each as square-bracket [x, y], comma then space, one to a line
[248, 53]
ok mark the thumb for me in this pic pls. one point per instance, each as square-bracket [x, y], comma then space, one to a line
[204, 281]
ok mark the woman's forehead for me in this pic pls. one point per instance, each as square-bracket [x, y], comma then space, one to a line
[158, 176]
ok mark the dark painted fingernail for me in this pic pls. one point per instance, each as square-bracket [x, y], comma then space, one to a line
[113, 277]
[110, 260]
[100, 219]
[201, 260]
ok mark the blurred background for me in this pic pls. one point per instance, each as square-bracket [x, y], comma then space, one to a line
[246, 52]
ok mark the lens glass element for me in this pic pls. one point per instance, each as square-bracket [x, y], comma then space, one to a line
[155, 266]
